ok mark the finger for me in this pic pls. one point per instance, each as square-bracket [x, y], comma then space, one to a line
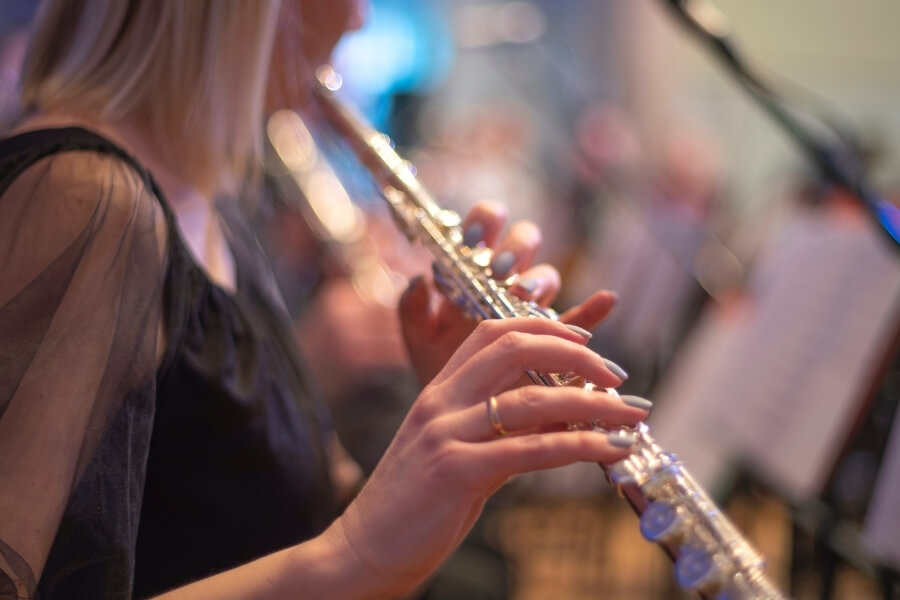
[502, 458]
[540, 284]
[497, 366]
[534, 408]
[489, 331]
[592, 311]
[516, 252]
[417, 319]
[432, 327]
[483, 224]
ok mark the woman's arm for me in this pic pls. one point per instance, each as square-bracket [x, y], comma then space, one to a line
[82, 255]
[323, 567]
[443, 464]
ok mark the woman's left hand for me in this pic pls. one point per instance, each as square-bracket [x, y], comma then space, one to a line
[433, 327]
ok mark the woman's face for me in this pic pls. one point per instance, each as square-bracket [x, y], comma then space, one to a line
[307, 32]
[323, 22]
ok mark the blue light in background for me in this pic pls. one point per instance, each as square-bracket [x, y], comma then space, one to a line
[888, 216]
[404, 47]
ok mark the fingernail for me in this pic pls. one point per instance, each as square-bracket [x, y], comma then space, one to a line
[581, 331]
[616, 369]
[529, 284]
[637, 402]
[502, 263]
[620, 439]
[473, 234]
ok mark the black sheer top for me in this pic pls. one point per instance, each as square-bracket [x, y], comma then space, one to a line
[154, 428]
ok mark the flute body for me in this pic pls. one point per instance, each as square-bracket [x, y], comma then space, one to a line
[711, 556]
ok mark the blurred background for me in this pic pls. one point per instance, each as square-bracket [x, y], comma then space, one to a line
[758, 305]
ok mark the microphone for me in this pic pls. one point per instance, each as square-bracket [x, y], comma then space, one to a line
[703, 15]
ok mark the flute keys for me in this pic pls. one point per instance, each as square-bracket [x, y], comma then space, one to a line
[481, 256]
[662, 522]
[698, 570]
[449, 218]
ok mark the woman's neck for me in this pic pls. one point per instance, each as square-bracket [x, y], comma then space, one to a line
[131, 138]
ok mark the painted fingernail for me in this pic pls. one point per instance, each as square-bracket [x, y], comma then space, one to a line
[529, 284]
[473, 234]
[580, 331]
[502, 263]
[620, 439]
[616, 369]
[415, 282]
[637, 402]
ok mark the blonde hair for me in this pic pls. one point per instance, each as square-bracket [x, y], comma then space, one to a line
[193, 71]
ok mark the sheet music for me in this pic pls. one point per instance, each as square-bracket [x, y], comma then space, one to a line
[825, 314]
[776, 387]
[701, 375]
[881, 532]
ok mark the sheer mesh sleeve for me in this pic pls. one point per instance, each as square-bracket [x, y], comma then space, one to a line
[82, 265]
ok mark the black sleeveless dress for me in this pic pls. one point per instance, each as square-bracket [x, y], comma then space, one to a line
[170, 457]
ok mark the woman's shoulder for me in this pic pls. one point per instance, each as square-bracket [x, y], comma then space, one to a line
[66, 202]
[74, 175]
[70, 155]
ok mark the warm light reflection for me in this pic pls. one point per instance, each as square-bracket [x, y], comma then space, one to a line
[376, 284]
[292, 141]
[332, 208]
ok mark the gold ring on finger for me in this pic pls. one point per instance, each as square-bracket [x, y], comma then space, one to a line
[494, 416]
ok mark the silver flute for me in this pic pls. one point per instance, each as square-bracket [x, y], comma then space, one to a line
[711, 556]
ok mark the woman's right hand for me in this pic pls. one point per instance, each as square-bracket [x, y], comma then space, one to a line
[447, 458]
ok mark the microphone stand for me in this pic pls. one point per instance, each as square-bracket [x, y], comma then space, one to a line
[839, 166]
